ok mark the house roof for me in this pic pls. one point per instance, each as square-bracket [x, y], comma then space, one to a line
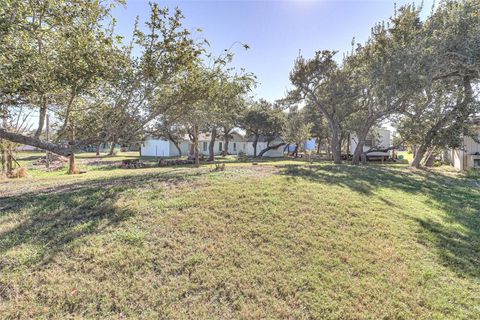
[234, 136]
[264, 138]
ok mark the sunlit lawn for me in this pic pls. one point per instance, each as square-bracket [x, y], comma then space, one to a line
[277, 240]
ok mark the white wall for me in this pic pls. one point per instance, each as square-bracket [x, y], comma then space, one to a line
[463, 160]
[240, 146]
[184, 147]
[457, 159]
[383, 136]
[274, 153]
[471, 146]
[155, 148]
[203, 146]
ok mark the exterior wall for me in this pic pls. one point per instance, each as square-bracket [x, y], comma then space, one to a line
[237, 139]
[216, 147]
[184, 147]
[464, 159]
[274, 153]
[383, 136]
[471, 146]
[310, 144]
[239, 147]
[155, 148]
[458, 159]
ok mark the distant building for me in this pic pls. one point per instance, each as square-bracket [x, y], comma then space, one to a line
[237, 143]
[378, 140]
[468, 156]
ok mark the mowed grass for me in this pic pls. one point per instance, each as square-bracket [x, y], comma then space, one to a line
[277, 240]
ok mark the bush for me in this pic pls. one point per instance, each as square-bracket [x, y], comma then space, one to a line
[473, 173]
[241, 156]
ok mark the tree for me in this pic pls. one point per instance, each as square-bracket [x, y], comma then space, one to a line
[319, 127]
[320, 82]
[69, 62]
[263, 118]
[448, 50]
[297, 129]
[58, 56]
[383, 73]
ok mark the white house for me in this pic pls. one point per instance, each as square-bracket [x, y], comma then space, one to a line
[468, 156]
[378, 139]
[236, 143]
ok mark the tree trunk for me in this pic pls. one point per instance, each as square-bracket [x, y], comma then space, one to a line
[319, 141]
[196, 150]
[329, 149]
[348, 145]
[336, 146]
[72, 167]
[41, 120]
[295, 151]
[362, 136]
[175, 143]
[34, 142]
[419, 156]
[430, 159]
[112, 147]
[9, 161]
[98, 149]
[211, 145]
[3, 157]
[225, 150]
[255, 141]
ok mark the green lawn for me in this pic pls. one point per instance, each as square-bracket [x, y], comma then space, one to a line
[277, 240]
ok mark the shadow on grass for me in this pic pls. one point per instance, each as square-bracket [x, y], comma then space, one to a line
[52, 218]
[455, 235]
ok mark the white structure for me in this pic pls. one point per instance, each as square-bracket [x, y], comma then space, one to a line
[237, 143]
[468, 157]
[263, 144]
[158, 147]
[378, 139]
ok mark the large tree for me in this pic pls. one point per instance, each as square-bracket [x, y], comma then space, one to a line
[449, 69]
[71, 63]
[384, 73]
[297, 129]
[322, 83]
[263, 119]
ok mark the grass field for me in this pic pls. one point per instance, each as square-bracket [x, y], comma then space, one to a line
[277, 240]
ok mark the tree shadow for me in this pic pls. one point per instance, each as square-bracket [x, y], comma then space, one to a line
[455, 234]
[53, 218]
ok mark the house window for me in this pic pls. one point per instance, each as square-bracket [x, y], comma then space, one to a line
[476, 163]
[205, 146]
[234, 146]
[219, 146]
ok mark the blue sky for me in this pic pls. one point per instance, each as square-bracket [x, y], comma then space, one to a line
[275, 30]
